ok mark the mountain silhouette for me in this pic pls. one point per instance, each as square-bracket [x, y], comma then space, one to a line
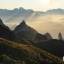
[24, 32]
[5, 32]
[48, 36]
[60, 36]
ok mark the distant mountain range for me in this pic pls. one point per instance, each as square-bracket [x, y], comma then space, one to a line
[21, 13]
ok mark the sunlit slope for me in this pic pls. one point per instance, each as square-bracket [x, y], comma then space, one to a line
[28, 54]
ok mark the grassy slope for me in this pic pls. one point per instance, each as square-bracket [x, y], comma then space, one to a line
[28, 54]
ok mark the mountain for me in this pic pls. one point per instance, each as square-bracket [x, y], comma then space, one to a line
[15, 14]
[53, 46]
[18, 14]
[56, 11]
[27, 35]
[24, 32]
[49, 20]
[29, 46]
[5, 32]
[48, 36]
[16, 53]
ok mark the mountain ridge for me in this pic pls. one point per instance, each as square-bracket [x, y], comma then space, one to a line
[23, 31]
[31, 45]
[6, 14]
[21, 9]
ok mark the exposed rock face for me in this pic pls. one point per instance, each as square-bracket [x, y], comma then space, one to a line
[5, 32]
[40, 38]
[48, 36]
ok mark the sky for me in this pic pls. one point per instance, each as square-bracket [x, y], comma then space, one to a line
[37, 5]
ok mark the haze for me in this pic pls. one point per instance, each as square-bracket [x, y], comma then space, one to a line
[38, 5]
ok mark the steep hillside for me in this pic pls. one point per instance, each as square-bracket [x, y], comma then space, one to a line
[25, 54]
[53, 46]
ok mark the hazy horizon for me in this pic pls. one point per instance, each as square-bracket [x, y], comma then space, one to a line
[37, 5]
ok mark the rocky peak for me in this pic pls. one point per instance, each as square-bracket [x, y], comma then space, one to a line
[48, 36]
[24, 31]
[60, 36]
[3, 26]
[23, 23]
[1, 23]
[5, 32]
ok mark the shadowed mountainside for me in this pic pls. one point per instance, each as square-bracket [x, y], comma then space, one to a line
[53, 46]
[5, 32]
[27, 54]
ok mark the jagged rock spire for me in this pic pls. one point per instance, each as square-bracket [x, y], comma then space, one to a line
[23, 22]
[5, 32]
[60, 36]
[23, 31]
[1, 22]
[48, 36]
